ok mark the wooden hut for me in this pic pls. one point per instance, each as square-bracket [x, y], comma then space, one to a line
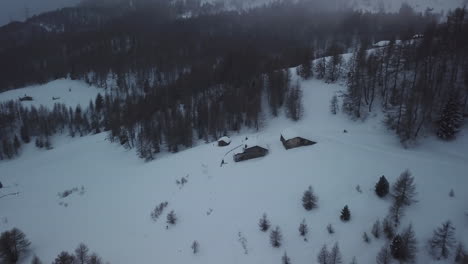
[251, 151]
[291, 139]
[224, 141]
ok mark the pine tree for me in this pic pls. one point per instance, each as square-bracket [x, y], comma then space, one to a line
[285, 259]
[334, 108]
[322, 257]
[404, 189]
[384, 256]
[459, 253]
[171, 218]
[376, 229]
[276, 237]
[409, 245]
[81, 253]
[388, 230]
[36, 260]
[345, 214]
[403, 193]
[16, 145]
[13, 244]
[94, 259]
[264, 223]
[442, 241]
[397, 247]
[24, 133]
[294, 102]
[335, 255]
[382, 187]
[320, 68]
[64, 258]
[365, 237]
[451, 118]
[309, 200]
[303, 229]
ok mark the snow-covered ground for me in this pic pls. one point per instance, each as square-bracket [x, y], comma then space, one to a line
[64, 91]
[394, 5]
[111, 214]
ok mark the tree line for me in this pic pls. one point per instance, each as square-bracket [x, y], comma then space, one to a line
[421, 82]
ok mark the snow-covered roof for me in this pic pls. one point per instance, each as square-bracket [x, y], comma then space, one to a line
[225, 139]
[384, 43]
[289, 133]
[249, 143]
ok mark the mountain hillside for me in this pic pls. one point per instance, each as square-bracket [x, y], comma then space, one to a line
[111, 193]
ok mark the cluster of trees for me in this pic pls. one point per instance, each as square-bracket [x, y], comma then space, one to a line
[171, 81]
[150, 123]
[421, 82]
[14, 246]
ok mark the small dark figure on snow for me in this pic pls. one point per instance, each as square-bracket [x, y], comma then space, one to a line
[1, 185]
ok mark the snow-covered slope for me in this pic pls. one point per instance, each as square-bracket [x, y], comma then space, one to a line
[394, 5]
[65, 91]
[220, 206]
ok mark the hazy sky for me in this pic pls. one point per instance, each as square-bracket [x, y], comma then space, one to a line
[16, 9]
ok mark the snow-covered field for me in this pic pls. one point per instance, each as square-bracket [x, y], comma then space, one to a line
[394, 5]
[111, 214]
[65, 91]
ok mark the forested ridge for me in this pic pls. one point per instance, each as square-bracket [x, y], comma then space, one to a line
[172, 79]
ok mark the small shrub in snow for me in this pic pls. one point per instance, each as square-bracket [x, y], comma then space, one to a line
[365, 237]
[13, 244]
[67, 193]
[309, 200]
[358, 189]
[443, 241]
[158, 210]
[330, 229]
[285, 259]
[243, 242]
[382, 187]
[376, 229]
[303, 229]
[345, 214]
[171, 218]
[182, 182]
[276, 237]
[322, 257]
[195, 247]
[264, 223]
[384, 256]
